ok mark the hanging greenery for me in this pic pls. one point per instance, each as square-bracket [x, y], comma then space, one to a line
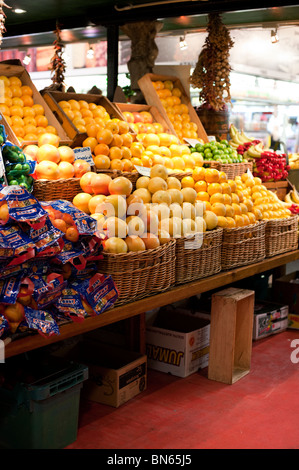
[2, 19]
[212, 71]
[57, 61]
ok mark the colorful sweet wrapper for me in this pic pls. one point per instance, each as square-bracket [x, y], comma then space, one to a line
[23, 207]
[15, 244]
[99, 292]
[47, 288]
[45, 236]
[80, 252]
[9, 289]
[85, 224]
[40, 320]
[70, 304]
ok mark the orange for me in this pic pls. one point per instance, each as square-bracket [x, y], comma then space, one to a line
[115, 153]
[28, 112]
[26, 90]
[92, 106]
[27, 100]
[237, 208]
[202, 196]
[252, 217]
[41, 121]
[8, 119]
[5, 80]
[239, 220]
[15, 81]
[137, 149]
[16, 101]
[16, 90]
[74, 104]
[124, 127]
[30, 129]
[60, 224]
[230, 211]
[200, 186]
[66, 153]
[146, 161]
[4, 109]
[158, 84]
[233, 185]
[90, 142]
[235, 198]
[18, 130]
[16, 111]
[38, 109]
[69, 112]
[218, 208]
[211, 175]
[217, 197]
[66, 170]
[8, 101]
[126, 152]
[226, 188]
[48, 138]
[136, 161]
[92, 129]
[222, 221]
[231, 222]
[7, 92]
[127, 139]
[198, 174]
[187, 182]
[83, 104]
[116, 164]
[102, 162]
[117, 140]
[101, 149]
[51, 130]
[104, 136]
[214, 188]
[64, 104]
[48, 152]
[81, 201]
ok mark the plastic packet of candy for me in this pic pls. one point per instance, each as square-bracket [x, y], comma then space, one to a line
[70, 304]
[99, 292]
[22, 206]
[40, 320]
[9, 289]
[45, 236]
[85, 224]
[80, 252]
[15, 244]
[47, 288]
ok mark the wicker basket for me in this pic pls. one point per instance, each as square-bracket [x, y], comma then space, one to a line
[131, 175]
[47, 190]
[198, 256]
[281, 235]
[230, 169]
[243, 245]
[141, 274]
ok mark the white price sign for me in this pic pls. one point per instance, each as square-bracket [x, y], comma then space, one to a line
[84, 153]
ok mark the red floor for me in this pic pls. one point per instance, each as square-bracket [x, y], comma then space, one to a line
[260, 411]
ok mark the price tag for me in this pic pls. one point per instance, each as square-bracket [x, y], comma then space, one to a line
[212, 138]
[84, 153]
[2, 168]
[192, 142]
[144, 171]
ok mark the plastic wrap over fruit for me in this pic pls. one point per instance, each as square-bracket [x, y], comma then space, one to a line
[22, 207]
[40, 320]
[99, 292]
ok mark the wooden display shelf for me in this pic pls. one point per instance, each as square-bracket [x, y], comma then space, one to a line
[132, 309]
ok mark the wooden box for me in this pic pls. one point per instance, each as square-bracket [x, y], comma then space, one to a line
[231, 334]
[281, 188]
[10, 70]
[151, 97]
[52, 99]
[157, 117]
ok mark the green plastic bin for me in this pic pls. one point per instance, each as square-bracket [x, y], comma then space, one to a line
[42, 414]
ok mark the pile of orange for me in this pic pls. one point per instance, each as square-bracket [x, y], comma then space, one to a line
[54, 161]
[177, 112]
[25, 117]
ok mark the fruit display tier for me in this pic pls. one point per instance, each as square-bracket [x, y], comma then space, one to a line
[135, 310]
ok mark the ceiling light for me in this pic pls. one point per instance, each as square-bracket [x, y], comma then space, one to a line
[90, 53]
[27, 59]
[19, 11]
[183, 44]
[274, 36]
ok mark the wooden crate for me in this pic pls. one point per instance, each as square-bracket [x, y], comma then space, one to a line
[157, 117]
[151, 97]
[281, 188]
[231, 335]
[9, 70]
[52, 99]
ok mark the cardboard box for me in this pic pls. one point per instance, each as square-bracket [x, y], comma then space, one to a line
[9, 70]
[177, 344]
[293, 321]
[286, 290]
[269, 318]
[115, 374]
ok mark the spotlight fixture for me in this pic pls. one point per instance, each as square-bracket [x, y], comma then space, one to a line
[90, 53]
[274, 36]
[19, 11]
[183, 43]
[27, 59]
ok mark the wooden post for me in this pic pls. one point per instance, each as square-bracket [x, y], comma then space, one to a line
[112, 60]
[231, 334]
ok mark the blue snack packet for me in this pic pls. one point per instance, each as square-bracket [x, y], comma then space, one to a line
[70, 304]
[40, 320]
[15, 244]
[99, 292]
[9, 289]
[23, 207]
[85, 224]
[45, 236]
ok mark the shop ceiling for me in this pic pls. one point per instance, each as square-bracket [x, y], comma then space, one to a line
[88, 20]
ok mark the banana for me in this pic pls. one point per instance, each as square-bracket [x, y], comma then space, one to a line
[233, 144]
[288, 198]
[232, 130]
[238, 140]
[295, 196]
[245, 137]
[255, 151]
